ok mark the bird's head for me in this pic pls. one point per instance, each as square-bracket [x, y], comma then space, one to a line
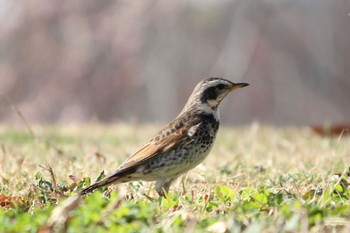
[209, 93]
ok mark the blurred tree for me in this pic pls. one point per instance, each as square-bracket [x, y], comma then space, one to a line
[121, 60]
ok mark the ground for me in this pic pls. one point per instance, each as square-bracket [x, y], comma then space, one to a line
[256, 179]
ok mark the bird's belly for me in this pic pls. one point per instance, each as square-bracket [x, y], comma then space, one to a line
[177, 162]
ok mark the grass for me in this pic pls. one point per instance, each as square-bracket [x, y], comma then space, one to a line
[257, 178]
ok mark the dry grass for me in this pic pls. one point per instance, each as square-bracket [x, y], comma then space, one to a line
[248, 152]
[292, 159]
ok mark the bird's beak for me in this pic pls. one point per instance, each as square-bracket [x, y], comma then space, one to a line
[238, 85]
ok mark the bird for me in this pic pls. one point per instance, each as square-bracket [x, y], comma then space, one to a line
[179, 146]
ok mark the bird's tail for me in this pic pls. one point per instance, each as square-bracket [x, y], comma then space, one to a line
[100, 184]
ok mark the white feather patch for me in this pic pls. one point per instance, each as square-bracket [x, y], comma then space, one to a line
[193, 130]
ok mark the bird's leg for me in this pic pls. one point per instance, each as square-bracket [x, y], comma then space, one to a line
[163, 185]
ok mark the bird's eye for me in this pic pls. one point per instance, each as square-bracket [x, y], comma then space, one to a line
[221, 86]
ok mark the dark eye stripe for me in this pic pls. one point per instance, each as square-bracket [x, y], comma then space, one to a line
[209, 93]
[221, 86]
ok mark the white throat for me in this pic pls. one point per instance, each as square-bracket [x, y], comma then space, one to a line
[207, 109]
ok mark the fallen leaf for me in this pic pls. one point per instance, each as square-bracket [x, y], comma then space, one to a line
[333, 130]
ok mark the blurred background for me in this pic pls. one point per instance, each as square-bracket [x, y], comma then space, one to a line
[138, 61]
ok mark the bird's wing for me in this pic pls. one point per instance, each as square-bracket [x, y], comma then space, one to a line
[159, 145]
